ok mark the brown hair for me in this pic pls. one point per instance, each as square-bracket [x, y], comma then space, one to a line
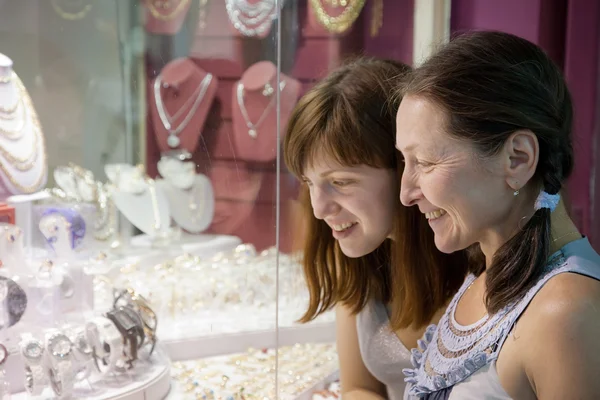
[492, 84]
[350, 117]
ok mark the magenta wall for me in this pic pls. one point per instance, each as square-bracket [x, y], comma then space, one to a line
[569, 31]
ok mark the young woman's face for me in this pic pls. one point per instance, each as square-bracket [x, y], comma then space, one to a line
[358, 203]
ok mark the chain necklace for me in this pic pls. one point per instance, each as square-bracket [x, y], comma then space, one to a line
[14, 112]
[253, 127]
[27, 162]
[172, 12]
[251, 19]
[81, 12]
[167, 120]
[154, 198]
[38, 141]
[342, 22]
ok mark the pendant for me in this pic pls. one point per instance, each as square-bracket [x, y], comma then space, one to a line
[253, 134]
[173, 141]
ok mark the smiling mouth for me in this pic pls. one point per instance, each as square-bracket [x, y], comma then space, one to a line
[435, 214]
[343, 227]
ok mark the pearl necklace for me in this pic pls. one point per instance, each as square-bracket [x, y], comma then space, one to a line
[167, 119]
[251, 19]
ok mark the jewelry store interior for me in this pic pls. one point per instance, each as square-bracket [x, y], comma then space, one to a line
[148, 229]
[150, 233]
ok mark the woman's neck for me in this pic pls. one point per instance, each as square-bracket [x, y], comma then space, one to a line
[563, 232]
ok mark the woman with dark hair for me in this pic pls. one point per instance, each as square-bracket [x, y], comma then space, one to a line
[484, 127]
[364, 252]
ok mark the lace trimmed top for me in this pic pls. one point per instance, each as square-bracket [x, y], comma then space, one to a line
[450, 353]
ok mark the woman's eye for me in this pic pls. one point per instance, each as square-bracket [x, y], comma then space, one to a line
[341, 183]
[424, 164]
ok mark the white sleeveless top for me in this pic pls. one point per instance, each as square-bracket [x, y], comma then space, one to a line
[384, 355]
[455, 362]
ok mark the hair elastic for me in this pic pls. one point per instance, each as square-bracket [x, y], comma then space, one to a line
[546, 200]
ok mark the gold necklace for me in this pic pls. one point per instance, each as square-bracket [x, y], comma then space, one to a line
[70, 15]
[342, 22]
[27, 162]
[39, 138]
[165, 5]
[376, 17]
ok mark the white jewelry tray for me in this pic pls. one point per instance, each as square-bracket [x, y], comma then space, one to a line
[220, 344]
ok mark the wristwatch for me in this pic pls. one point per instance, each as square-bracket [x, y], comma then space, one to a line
[4, 390]
[32, 351]
[83, 358]
[15, 300]
[130, 325]
[107, 344]
[130, 298]
[60, 353]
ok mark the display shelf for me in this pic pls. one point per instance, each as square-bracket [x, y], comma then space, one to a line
[152, 384]
[203, 245]
[219, 343]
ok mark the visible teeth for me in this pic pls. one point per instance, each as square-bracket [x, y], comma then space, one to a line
[343, 227]
[434, 214]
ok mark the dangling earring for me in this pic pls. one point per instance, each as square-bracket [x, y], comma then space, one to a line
[516, 192]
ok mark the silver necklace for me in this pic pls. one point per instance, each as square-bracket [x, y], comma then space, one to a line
[167, 120]
[253, 127]
[251, 19]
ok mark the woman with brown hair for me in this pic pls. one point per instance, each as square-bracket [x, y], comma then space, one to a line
[485, 130]
[364, 253]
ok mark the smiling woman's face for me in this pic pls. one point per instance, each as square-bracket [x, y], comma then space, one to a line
[465, 198]
[358, 203]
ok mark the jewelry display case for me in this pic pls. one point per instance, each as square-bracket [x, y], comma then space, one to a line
[149, 231]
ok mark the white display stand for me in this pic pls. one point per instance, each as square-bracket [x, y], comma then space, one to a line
[220, 344]
[200, 195]
[203, 245]
[145, 209]
[153, 384]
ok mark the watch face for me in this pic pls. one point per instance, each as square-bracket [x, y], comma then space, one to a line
[123, 319]
[59, 345]
[33, 350]
[14, 300]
